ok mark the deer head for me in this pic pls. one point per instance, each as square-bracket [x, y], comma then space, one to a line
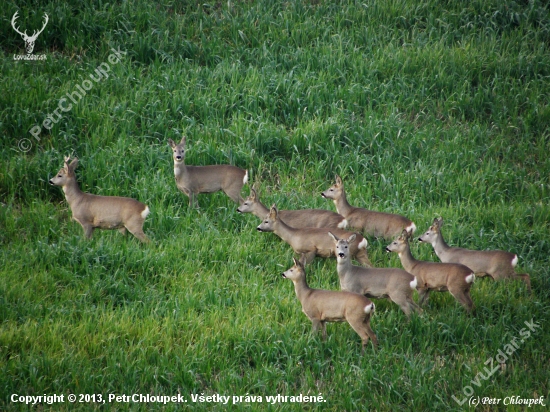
[29, 40]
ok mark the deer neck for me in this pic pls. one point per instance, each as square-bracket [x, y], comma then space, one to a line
[440, 246]
[179, 169]
[407, 259]
[73, 194]
[342, 205]
[260, 210]
[302, 288]
[343, 267]
[284, 231]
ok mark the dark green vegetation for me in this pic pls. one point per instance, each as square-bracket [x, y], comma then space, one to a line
[425, 108]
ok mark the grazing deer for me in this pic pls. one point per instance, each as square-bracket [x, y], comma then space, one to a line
[395, 284]
[193, 180]
[312, 241]
[377, 224]
[296, 218]
[440, 277]
[322, 306]
[498, 264]
[104, 212]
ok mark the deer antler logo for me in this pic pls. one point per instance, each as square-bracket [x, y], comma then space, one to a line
[29, 40]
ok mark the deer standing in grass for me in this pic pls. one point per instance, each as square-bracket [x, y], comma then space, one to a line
[104, 212]
[439, 277]
[312, 241]
[392, 283]
[377, 224]
[322, 306]
[497, 264]
[193, 180]
[295, 218]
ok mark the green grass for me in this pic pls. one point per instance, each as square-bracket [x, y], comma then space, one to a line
[425, 108]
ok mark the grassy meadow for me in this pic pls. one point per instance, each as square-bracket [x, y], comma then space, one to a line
[425, 108]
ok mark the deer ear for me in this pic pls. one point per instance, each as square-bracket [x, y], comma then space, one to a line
[73, 165]
[273, 211]
[253, 194]
[302, 260]
[171, 143]
[333, 237]
[352, 238]
[182, 140]
[440, 222]
[405, 234]
[338, 180]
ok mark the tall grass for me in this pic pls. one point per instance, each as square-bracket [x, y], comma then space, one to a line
[425, 108]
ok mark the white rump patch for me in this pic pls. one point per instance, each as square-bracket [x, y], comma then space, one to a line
[515, 261]
[369, 308]
[245, 179]
[145, 212]
[470, 278]
[363, 244]
[413, 283]
[411, 228]
[343, 224]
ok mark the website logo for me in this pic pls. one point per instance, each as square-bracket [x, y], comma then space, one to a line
[29, 40]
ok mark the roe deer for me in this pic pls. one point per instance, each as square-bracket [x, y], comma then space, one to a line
[322, 306]
[312, 241]
[498, 264]
[193, 180]
[104, 212]
[440, 277]
[392, 283]
[377, 224]
[296, 218]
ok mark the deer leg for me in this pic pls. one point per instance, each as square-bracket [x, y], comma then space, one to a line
[317, 326]
[135, 227]
[424, 295]
[140, 235]
[359, 328]
[413, 306]
[192, 200]
[402, 302]
[371, 334]
[122, 230]
[525, 277]
[309, 257]
[464, 298]
[88, 230]
[235, 194]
